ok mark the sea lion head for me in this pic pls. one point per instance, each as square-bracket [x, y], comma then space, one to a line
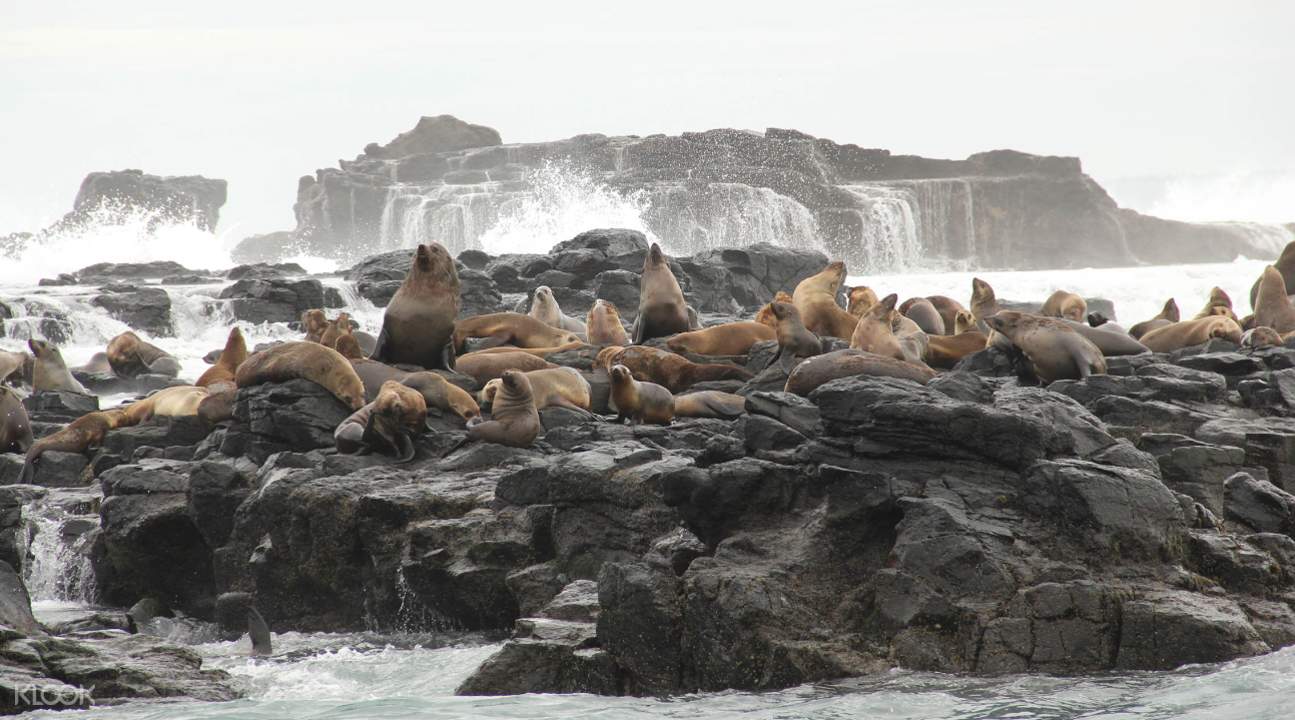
[399, 413]
[235, 345]
[567, 338]
[42, 349]
[516, 385]
[883, 309]
[1225, 328]
[963, 322]
[981, 291]
[836, 270]
[1219, 297]
[544, 294]
[784, 310]
[1223, 311]
[1005, 321]
[433, 263]
[349, 347]
[620, 375]
[1260, 337]
[314, 322]
[861, 297]
[487, 394]
[1170, 311]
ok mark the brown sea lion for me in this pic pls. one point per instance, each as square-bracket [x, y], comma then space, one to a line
[1260, 337]
[349, 347]
[437, 391]
[387, 425]
[1062, 304]
[486, 366]
[603, 325]
[662, 367]
[544, 307]
[514, 421]
[709, 404]
[874, 333]
[512, 329]
[418, 325]
[1189, 333]
[1169, 314]
[922, 312]
[944, 351]
[1110, 339]
[1273, 307]
[765, 315]
[639, 402]
[795, 341]
[662, 309]
[218, 406]
[175, 401]
[15, 426]
[860, 298]
[1218, 302]
[82, 435]
[1055, 350]
[735, 338]
[130, 357]
[948, 309]
[314, 323]
[1285, 265]
[810, 374]
[559, 386]
[49, 372]
[321, 365]
[983, 302]
[815, 298]
[337, 327]
[226, 366]
[16, 367]
[964, 322]
[537, 352]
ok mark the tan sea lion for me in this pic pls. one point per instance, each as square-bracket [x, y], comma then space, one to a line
[1169, 314]
[81, 435]
[348, 346]
[559, 386]
[1219, 300]
[337, 327]
[923, 313]
[1055, 350]
[1189, 333]
[226, 366]
[387, 425]
[1062, 304]
[603, 325]
[486, 366]
[795, 342]
[130, 357]
[662, 309]
[948, 309]
[544, 307]
[16, 367]
[1111, 340]
[218, 406]
[944, 351]
[321, 365]
[15, 426]
[709, 404]
[1260, 337]
[874, 333]
[1285, 265]
[314, 323]
[810, 374]
[418, 326]
[765, 315]
[537, 352]
[1273, 307]
[437, 391]
[510, 328]
[964, 322]
[514, 421]
[176, 401]
[859, 299]
[815, 298]
[639, 402]
[49, 372]
[662, 367]
[735, 338]
[983, 302]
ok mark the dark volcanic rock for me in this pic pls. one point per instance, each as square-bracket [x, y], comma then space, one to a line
[142, 308]
[297, 415]
[276, 300]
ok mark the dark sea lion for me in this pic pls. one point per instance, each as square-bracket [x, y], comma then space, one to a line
[259, 633]
[418, 326]
[314, 323]
[234, 354]
[1053, 347]
[1273, 307]
[486, 366]
[1285, 267]
[551, 387]
[1260, 337]
[386, 425]
[545, 308]
[1110, 339]
[948, 309]
[514, 421]
[924, 314]
[1062, 304]
[709, 404]
[735, 338]
[859, 299]
[875, 333]
[810, 374]
[1169, 314]
[815, 298]
[1096, 319]
[603, 326]
[795, 341]
[510, 328]
[15, 426]
[130, 357]
[1189, 333]
[662, 309]
[675, 372]
[308, 361]
[49, 372]
[639, 402]
[348, 346]
[82, 435]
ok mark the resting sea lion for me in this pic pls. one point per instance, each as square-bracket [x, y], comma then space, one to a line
[675, 372]
[226, 366]
[437, 391]
[542, 353]
[603, 326]
[218, 406]
[924, 314]
[176, 401]
[387, 425]
[1218, 302]
[662, 310]
[709, 404]
[1111, 340]
[795, 342]
[510, 328]
[321, 365]
[815, 298]
[514, 421]
[348, 346]
[81, 435]
[1062, 304]
[49, 372]
[873, 333]
[1260, 337]
[131, 357]
[314, 323]
[15, 426]
[1055, 350]
[544, 307]
[486, 366]
[734, 338]
[418, 325]
[1168, 315]
[807, 376]
[639, 402]
[944, 351]
[1189, 333]
[1273, 307]
[859, 299]
[559, 386]
[948, 309]
[1286, 267]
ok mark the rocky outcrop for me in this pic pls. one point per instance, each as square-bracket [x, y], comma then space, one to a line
[142, 308]
[275, 299]
[190, 198]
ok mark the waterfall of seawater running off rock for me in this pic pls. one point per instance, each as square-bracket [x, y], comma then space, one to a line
[57, 562]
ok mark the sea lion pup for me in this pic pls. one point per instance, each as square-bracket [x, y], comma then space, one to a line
[544, 307]
[795, 342]
[81, 435]
[735, 338]
[551, 387]
[1062, 304]
[337, 327]
[603, 325]
[1260, 337]
[1272, 306]
[874, 333]
[709, 404]
[514, 421]
[418, 326]
[1218, 302]
[308, 361]
[234, 354]
[131, 357]
[1286, 267]
[16, 367]
[510, 328]
[662, 309]
[807, 376]
[1189, 333]
[859, 299]
[948, 309]
[486, 366]
[663, 367]
[314, 323]
[1168, 315]
[49, 372]
[815, 298]
[1110, 339]
[387, 425]
[1055, 350]
[924, 314]
[639, 402]
[15, 426]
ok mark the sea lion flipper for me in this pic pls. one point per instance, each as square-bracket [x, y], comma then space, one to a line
[380, 348]
[259, 632]
[448, 355]
[637, 332]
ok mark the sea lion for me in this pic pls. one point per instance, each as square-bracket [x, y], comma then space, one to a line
[1189, 333]
[709, 404]
[603, 325]
[964, 322]
[16, 367]
[874, 333]
[675, 372]
[662, 310]
[437, 391]
[542, 353]
[1055, 350]
[337, 327]
[983, 302]
[1110, 339]
[218, 406]
[131, 357]
[765, 315]
[348, 346]
[735, 338]
[1285, 266]
[948, 309]
[815, 298]
[944, 351]
[860, 298]
[486, 366]
[1260, 337]
[514, 421]
[558, 386]
[639, 402]
[15, 426]
[321, 365]
[175, 401]
[234, 354]
[1218, 302]
[49, 372]
[81, 435]
[1062, 304]
[418, 325]
[1273, 307]
[544, 307]
[510, 328]
[387, 425]
[810, 374]
[1169, 314]
[923, 313]
[314, 323]
[795, 342]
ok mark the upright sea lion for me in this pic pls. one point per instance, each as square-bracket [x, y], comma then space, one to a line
[314, 323]
[1218, 299]
[1055, 350]
[675, 372]
[321, 365]
[1189, 333]
[735, 338]
[387, 425]
[234, 354]
[544, 307]
[484, 367]
[874, 333]
[1062, 304]
[514, 421]
[815, 298]
[639, 402]
[15, 426]
[859, 299]
[418, 326]
[49, 372]
[662, 310]
[1273, 307]
[1168, 315]
[1260, 337]
[510, 328]
[983, 302]
[795, 342]
[809, 375]
[1285, 265]
[559, 386]
[948, 309]
[81, 435]
[765, 314]
[709, 404]
[337, 327]
[603, 326]
[923, 313]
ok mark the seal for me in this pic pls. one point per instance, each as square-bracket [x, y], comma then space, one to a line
[15, 426]
[49, 372]
[809, 375]
[418, 325]
[795, 342]
[129, 356]
[1189, 333]
[314, 323]
[1219, 303]
[662, 309]
[514, 421]
[544, 307]
[1285, 266]
[551, 387]
[922, 312]
[308, 361]
[709, 404]
[662, 367]
[765, 314]
[603, 325]
[339, 326]
[860, 298]
[735, 338]
[486, 366]
[1169, 314]
[639, 402]
[80, 436]
[1062, 304]
[815, 298]
[874, 333]
[234, 354]
[387, 425]
[948, 309]
[1054, 349]
[512, 328]
[1272, 305]
[1260, 337]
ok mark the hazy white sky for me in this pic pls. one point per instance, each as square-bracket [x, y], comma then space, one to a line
[260, 93]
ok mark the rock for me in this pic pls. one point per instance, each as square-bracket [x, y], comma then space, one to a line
[101, 273]
[437, 134]
[60, 406]
[266, 248]
[1259, 505]
[276, 300]
[477, 293]
[264, 271]
[297, 415]
[61, 469]
[1171, 629]
[15, 604]
[620, 288]
[1194, 468]
[193, 199]
[142, 308]
[1268, 442]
